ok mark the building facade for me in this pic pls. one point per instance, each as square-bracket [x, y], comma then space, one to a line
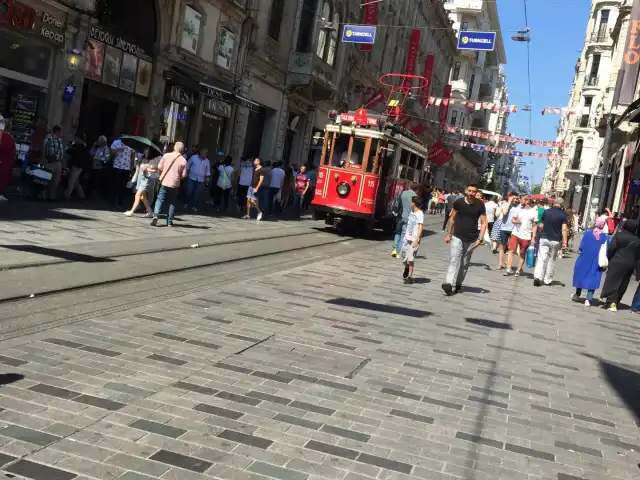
[476, 76]
[590, 102]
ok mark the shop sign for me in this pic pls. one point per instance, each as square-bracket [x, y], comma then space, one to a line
[117, 42]
[243, 102]
[218, 107]
[23, 17]
[180, 95]
[216, 93]
[300, 68]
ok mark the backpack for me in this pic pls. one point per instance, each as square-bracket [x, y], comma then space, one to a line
[396, 207]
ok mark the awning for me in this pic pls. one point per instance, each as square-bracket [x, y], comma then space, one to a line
[246, 103]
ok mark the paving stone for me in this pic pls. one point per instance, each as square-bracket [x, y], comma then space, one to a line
[37, 471]
[246, 439]
[159, 428]
[28, 435]
[181, 461]
[331, 449]
[277, 472]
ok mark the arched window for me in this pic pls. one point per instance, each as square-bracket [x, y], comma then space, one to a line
[577, 155]
[325, 16]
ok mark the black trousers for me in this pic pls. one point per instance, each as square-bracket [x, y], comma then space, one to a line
[446, 218]
[118, 185]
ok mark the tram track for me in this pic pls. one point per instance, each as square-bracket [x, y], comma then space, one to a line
[21, 315]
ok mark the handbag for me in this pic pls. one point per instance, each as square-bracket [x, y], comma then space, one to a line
[164, 173]
[603, 260]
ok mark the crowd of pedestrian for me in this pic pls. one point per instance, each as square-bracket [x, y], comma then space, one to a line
[115, 170]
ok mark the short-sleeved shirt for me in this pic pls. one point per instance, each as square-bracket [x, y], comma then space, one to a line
[467, 216]
[491, 208]
[451, 199]
[405, 202]
[301, 182]
[415, 218]
[257, 173]
[507, 226]
[552, 221]
[277, 176]
[199, 168]
[173, 168]
[123, 159]
[528, 218]
[225, 173]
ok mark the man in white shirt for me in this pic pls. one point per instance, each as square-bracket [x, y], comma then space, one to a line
[491, 206]
[412, 237]
[121, 171]
[277, 177]
[199, 171]
[524, 221]
[245, 177]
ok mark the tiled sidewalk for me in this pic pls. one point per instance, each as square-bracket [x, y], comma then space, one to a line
[333, 370]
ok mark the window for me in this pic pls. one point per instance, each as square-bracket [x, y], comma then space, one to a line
[454, 118]
[456, 71]
[592, 79]
[588, 101]
[190, 29]
[307, 20]
[325, 15]
[602, 29]
[464, 26]
[275, 20]
[577, 155]
[471, 82]
[225, 49]
[328, 37]
[584, 121]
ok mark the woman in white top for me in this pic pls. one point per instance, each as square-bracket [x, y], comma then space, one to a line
[224, 184]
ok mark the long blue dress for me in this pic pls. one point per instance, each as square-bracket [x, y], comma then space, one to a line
[586, 273]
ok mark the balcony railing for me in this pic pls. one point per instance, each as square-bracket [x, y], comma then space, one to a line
[582, 122]
[599, 37]
[474, 157]
[591, 81]
[575, 164]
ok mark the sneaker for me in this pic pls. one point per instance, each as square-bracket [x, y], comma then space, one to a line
[537, 283]
[408, 281]
[259, 217]
[405, 274]
[448, 289]
[517, 274]
[148, 215]
[3, 198]
[246, 217]
[394, 253]
[507, 273]
[575, 298]
[587, 303]
[154, 222]
[612, 308]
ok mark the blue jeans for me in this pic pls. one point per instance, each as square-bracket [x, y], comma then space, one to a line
[297, 207]
[194, 191]
[591, 293]
[274, 208]
[397, 239]
[635, 304]
[170, 195]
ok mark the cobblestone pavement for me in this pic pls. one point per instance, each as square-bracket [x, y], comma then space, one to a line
[333, 370]
[75, 224]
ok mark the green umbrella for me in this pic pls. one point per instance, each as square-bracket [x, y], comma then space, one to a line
[136, 142]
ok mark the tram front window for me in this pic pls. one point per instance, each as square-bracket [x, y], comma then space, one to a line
[348, 151]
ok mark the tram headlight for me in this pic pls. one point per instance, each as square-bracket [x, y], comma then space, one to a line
[343, 189]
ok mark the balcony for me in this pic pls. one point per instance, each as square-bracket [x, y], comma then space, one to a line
[599, 37]
[591, 81]
[582, 122]
[485, 92]
[459, 89]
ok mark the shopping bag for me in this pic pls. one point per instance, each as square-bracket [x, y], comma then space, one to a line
[603, 260]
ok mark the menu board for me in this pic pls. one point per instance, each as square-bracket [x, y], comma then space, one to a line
[23, 112]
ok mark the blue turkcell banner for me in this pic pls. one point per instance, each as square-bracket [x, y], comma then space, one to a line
[365, 34]
[477, 41]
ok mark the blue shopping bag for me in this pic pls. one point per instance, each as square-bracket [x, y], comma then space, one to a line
[531, 257]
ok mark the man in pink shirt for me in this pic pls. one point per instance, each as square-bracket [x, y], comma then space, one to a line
[173, 168]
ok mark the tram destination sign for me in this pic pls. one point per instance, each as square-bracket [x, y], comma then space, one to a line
[485, 41]
[363, 34]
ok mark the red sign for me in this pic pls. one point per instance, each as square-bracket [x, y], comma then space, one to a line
[18, 14]
[428, 74]
[360, 117]
[439, 154]
[444, 106]
[412, 57]
[370, 18]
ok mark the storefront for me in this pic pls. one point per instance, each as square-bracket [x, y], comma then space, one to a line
[178, 113]
[32, 43]
[216, 115]
[117, 82]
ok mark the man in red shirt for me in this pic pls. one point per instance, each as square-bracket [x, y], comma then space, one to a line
[302, 185]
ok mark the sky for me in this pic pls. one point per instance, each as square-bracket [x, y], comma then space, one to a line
[557, 30]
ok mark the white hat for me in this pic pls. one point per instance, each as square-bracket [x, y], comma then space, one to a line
[1, 122]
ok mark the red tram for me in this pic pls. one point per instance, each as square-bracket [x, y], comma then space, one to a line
[366, 161]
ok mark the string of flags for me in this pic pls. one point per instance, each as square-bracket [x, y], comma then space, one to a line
[507, 151]
[503, 138]
[559, 110]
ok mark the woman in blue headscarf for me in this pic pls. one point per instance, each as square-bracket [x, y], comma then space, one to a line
[587, 273]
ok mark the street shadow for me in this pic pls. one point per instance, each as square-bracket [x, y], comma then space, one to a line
[421, 280]
[57, 253]
[466, 289]
[481, 322]
[557, 283]
[624, 381]
[379, 307]
[8, 378]
[194, 227]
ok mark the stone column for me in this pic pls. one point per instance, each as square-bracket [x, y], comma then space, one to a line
[156, 97]
[282, 127]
